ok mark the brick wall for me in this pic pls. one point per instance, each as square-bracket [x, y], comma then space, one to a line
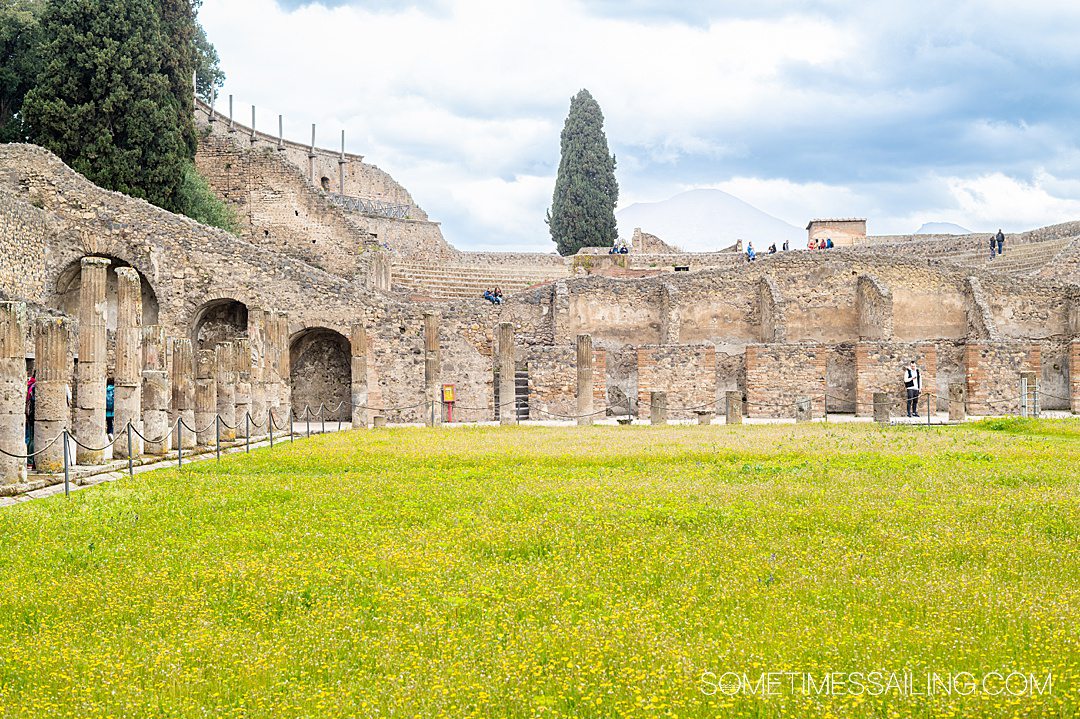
[686, 372]
[879, 367]
[777, 375]
[23, 232]
[553, 382]
[993, 375]
[1074, 375]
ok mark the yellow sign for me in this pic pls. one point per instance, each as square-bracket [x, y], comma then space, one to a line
[448, 393]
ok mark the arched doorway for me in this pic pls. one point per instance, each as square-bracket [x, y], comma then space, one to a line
[321, 373]
[69, 283]
[220, 320]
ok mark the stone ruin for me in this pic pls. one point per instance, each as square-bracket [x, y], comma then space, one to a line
[339, 296]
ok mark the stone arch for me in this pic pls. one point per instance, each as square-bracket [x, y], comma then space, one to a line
[64, 294]
[219, 320]
[320, 369]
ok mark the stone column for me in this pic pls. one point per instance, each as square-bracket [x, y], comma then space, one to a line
[272, 369]
[242, 350]
[257, 337]
[584, 380]
[1074, 374]
[881, 407]
[12, 391]
[92, 368]
[52, 394]
[504, 341]
[205, 396]
[658, 408]
[284, 365]
[804, 409]
[226, 389]
[127, 390]
[433, 408]
[957, 402]
[156, 392]
[183, 392]
[359, 345]
[733, 411]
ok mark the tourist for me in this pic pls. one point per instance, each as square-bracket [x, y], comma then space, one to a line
[786, 246]
[489, 297]
[1000, 238]
[828, 243]
[614, 250]
[812, 245]
[913, 386]
[109, 392]
[624, 250]
[750, 254]
[498, 296]
[31, 385]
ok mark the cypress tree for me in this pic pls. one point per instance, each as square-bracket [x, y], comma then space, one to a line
[582, 210]
[104, 101]
[20, 41]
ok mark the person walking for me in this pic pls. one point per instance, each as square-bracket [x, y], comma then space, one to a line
[1000, 239]
[993, 246]
[913, 387]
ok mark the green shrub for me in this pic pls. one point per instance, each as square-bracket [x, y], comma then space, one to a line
[199, 202]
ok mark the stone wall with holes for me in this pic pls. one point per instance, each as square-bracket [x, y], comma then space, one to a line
[553, 382]
[25, 231]
[321, 375]
[778, 375]
[686, 372]
[993, 374]
[879, 367]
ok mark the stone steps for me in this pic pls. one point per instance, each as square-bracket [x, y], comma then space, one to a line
[458, 282]
[1017, 259]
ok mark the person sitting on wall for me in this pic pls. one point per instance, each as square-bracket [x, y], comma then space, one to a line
[811, 245]
[624, 250]
[489, 296]
[750, 254]
[828, 243]
[772, 249]
[614, 250]
[786, 246]
[498, 296]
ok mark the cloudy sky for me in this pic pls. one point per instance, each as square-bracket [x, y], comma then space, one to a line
[902, 112]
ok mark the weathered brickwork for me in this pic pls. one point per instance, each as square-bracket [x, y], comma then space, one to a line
[553, 381]
[1074, 375]
[879, 367]
[24, 233]
[993, 374]
[686, 372]
[778, 375]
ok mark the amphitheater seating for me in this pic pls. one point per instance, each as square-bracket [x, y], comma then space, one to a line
[444, 281]
[1018, 258]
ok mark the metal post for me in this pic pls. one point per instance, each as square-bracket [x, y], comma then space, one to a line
[826, 408]
[247, 432]
[270, 424]
[292, 435]
[307, 414]
[1023, 396]
[253, 123]
[232, 125]
[217, 438]
[131, 465]
[67, 470]
[280, 132]
[179, 443]
[341, 166]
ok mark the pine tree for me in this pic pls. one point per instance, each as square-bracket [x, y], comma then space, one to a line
[20, 42]
[104, 101]
[582, 210]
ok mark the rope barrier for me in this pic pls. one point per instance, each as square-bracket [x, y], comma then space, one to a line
[50, 443]
[168, 432]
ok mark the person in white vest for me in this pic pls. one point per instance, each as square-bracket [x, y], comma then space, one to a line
[913, 385]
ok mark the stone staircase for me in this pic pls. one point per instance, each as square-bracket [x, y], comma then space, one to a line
[448, 281]
[1018, 259]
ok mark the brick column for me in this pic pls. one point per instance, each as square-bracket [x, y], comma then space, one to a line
[12, 391]
[257, 337]
[359, 395]
[734, 408]
[957, 402]
[272, 368]
[507, 373]
[244, 419]
[432, 408]
[52, 394]
[658, 409]
[881, 401]
[127, 389]
[156, 392]
[92, 368]
[284, 365]
[183, 392]
[584, 380]
[205, 396]
[226, 389]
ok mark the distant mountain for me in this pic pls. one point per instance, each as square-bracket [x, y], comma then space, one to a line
[942, 228]
[707, 220]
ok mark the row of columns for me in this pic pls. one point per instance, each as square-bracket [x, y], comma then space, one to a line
[235, 380]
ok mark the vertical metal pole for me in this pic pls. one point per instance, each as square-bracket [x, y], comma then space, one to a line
[247, 432]
[232, 124]
[826, 407]
[341, 166]
[217, 438]
[1038, 408]
[292, 434]
[280, 132]
[270, 424]
[179, 443]
[1023, 396]
[307, 414]
[131, 463]
[252, 122]
[312, 138]
[67, 468]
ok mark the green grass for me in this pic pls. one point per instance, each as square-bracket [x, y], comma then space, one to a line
[543, 572]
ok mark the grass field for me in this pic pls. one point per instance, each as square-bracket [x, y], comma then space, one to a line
[556, 572]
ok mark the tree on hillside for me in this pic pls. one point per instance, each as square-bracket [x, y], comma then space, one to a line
[20, 40]
[104, 103]
[582, 210]
[208, 75]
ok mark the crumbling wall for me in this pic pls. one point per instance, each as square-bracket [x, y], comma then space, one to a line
[25, 231]
[686, 372]
[553, 382]
[779, 375]
[321, 375]
[993, 374]
[879, 367]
